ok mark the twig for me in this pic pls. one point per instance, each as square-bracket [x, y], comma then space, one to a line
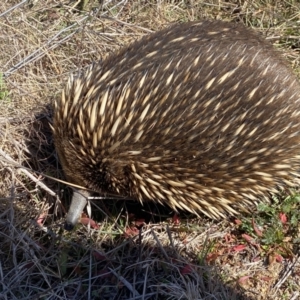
[52, 43]
[295, 296]
[125, 282]
[26, 172]
[145, 282]
[286, 273]
[128, 24]
[12, 8]
[160, 246]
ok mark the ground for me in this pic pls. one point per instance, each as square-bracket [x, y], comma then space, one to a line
[128, 251]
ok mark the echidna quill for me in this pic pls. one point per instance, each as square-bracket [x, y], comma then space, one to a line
[201, 116]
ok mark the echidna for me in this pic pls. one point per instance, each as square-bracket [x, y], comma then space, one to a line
[201, 116]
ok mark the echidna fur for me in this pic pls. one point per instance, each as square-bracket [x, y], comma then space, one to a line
[201, 116]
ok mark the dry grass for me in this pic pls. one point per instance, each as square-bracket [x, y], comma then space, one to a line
[135, 252]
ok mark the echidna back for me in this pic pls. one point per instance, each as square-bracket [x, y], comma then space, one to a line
[200, 116]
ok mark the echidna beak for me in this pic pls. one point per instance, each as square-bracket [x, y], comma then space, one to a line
[79, 201]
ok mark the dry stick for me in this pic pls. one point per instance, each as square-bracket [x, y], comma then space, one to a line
[49, 45]
[130, 25]
[12, 8]
[160, 246]
[295, 296]
[125, 282]
[112, 8]
[145, 282]
[123, 1]
[39, 53]
[90, 277]
[4, 286]
[27, 173]
[37, 182]
[74, 5]
[12, 195]
[170, 237]
[286, 273]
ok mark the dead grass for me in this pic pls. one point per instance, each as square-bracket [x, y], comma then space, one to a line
[136, 252]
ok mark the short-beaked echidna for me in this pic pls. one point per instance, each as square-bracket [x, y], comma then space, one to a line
[201, 116]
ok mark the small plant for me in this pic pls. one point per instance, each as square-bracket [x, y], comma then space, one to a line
[275, 224]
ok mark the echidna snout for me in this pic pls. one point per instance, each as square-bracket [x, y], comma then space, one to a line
[78, 203]
[201, 116]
